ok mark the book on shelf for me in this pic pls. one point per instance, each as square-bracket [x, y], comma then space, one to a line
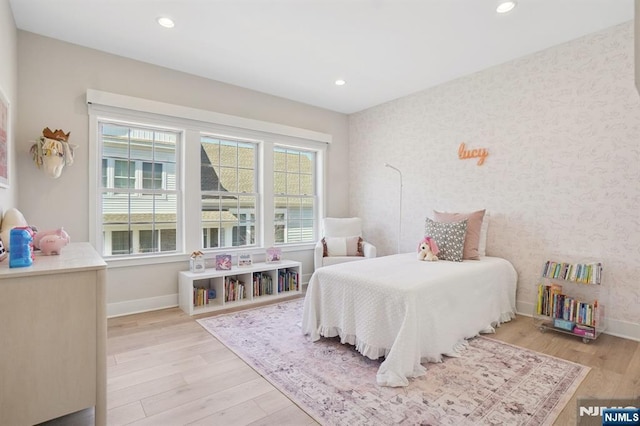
[202, 296]
[262, 284]
[563, 324]
[585, 273]
[551, 302]
[234, 289]
[288, 280]
[584, 330]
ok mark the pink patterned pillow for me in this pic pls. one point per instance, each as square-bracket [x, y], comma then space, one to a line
[474, 225]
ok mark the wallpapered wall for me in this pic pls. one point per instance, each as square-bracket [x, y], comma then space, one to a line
[562, 179]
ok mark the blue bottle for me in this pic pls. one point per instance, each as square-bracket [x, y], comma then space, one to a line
[20, 248]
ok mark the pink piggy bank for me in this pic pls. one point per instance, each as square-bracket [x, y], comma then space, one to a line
[51, 242]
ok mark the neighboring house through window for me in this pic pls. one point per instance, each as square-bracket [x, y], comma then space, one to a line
[228, 181]
[295, 197]
[139, 203]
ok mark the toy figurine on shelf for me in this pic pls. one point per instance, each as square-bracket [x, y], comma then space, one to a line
[51, 242]
[196, 261]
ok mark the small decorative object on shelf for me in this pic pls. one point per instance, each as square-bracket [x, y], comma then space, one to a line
[196, 262]
[245, 259]
[579, 313]
[274, 255]
[223, 262]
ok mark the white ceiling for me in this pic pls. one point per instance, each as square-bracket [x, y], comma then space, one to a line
[296, 49]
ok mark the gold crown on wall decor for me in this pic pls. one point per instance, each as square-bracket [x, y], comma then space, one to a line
[58, 135]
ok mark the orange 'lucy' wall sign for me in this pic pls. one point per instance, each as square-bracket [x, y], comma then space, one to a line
[480, 154]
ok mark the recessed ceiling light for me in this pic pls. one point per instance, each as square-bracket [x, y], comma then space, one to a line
[506, 6]
[340, 82]
[166, 22]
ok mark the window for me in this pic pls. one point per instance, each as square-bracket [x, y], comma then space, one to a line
[105, 167]
[139, 207]
[151, 176]
[124, 174]
[259, 184]
[120, 242]
[229, 198]
[148, 240]
[294, 195]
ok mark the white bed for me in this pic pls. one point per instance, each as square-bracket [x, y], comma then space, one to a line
[408, 310]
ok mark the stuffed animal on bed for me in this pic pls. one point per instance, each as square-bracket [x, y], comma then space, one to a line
[428, 249]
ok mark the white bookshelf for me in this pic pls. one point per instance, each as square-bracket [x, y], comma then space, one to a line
[215, 279]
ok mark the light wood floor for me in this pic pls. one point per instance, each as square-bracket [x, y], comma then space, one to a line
[164, 369]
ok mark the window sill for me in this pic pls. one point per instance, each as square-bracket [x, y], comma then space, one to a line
[125, 262]
[115, 262]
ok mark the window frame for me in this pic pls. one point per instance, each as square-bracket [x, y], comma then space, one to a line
[138, 176]
[313, 196]
[97, 233]
[256, 194]
[114, 107]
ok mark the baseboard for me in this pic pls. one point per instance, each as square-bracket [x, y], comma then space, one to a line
[137, 306]
[306, 278]
[129, 307]
[624, 329]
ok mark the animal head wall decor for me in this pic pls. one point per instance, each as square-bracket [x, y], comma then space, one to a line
[52, 151]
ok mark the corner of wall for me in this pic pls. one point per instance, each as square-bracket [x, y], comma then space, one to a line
[9, 85]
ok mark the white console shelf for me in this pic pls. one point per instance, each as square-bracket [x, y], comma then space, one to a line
[238, 286]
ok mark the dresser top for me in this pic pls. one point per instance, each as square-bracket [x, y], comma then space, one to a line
[75, 257]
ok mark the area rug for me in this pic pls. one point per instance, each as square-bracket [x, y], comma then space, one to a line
[491, 383]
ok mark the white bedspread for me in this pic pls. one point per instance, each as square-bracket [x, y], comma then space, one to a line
[408, 310]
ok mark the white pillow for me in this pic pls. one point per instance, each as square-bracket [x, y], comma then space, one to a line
[482, 244]
[342, 246]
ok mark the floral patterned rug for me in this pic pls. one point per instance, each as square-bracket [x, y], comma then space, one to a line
[491, 383]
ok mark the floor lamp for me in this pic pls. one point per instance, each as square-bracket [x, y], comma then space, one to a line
[400, 207]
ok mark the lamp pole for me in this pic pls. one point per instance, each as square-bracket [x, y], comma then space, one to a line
[400, 206]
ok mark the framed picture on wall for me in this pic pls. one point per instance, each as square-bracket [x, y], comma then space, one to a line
[5, 123]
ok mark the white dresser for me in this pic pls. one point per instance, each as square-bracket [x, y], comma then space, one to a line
[53, 330]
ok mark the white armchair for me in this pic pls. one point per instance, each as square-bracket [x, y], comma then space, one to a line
[338, 246]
